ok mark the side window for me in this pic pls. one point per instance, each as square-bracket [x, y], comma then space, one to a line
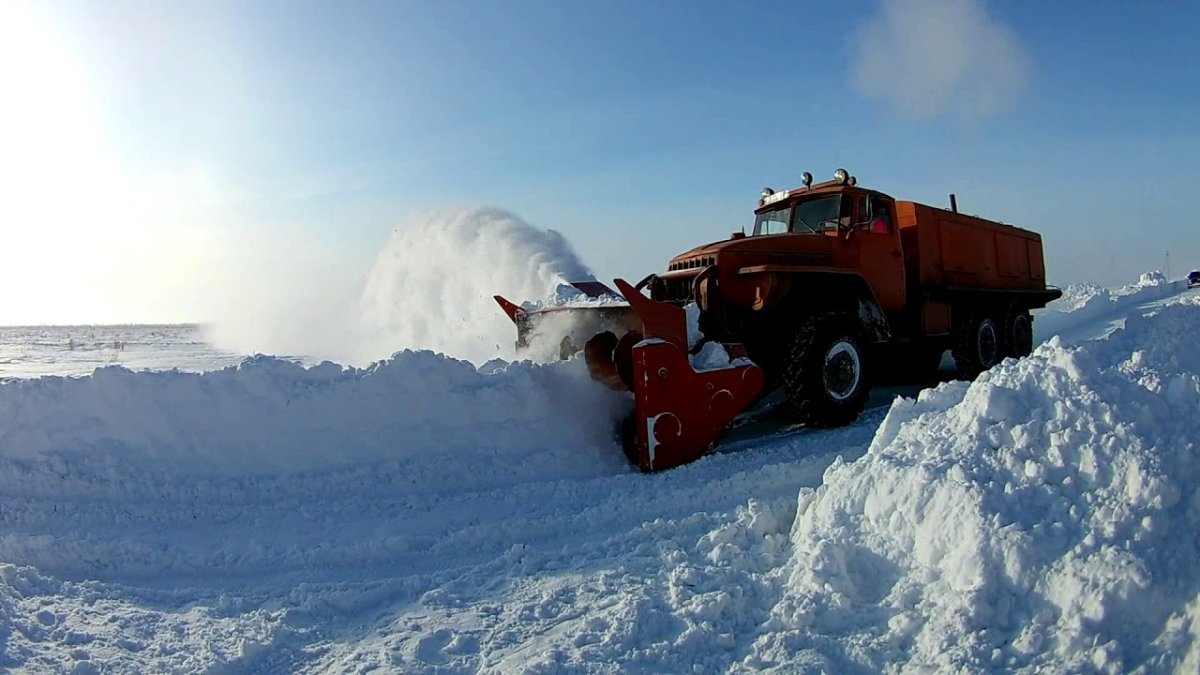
[862, 213]
[846, 216]
[880, 217]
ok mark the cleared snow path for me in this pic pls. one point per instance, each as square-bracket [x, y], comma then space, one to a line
[343, 571]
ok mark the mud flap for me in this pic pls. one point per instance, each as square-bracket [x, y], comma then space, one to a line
[679, 413]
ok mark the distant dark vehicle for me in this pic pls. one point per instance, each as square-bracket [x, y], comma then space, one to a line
[1194, 279]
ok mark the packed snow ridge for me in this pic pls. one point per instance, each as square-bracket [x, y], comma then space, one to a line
[271, 416]
[1083, 306]
[1042, 518]
[423, 515]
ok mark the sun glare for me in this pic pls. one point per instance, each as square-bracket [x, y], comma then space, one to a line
[75, 226]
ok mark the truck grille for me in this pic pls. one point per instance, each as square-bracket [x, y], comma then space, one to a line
[678, 289]
[692, 264]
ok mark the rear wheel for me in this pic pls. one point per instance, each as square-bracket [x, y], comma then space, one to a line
[1018, 333]
[977, 345]
[825, 376]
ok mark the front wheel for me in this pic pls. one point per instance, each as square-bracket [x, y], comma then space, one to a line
[825, 376]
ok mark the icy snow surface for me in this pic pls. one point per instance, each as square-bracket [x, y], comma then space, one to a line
[422, 515]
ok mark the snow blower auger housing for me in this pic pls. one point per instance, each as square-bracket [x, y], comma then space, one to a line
[560, 330]
[679, 412]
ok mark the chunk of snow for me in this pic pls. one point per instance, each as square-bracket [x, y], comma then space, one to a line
[714, 356]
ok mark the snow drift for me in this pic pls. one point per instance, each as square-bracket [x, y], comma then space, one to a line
[516, 422]
[1042, 518]
[1085, 304]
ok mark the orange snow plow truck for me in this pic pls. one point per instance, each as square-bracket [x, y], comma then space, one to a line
[834, 282]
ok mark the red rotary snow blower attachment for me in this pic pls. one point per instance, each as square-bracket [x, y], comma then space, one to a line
[679, 412]
[558, 331]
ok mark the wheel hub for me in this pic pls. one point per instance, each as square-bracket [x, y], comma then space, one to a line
[842, 370]
[1023, 335]
[988, 345]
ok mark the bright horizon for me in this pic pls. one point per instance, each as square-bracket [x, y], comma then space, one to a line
[164, 163]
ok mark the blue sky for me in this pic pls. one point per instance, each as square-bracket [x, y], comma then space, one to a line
[637, 129]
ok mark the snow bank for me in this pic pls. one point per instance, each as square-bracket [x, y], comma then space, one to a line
[432, 285]
[1041, 518]
[453, 426]
[1084, 304]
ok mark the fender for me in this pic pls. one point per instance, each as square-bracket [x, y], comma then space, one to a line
[822, 288]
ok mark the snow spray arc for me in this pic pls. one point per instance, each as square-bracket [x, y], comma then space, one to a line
[432, 285]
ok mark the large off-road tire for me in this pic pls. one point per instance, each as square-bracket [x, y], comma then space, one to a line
[826, 376]
[1018, 333]
[978, 345]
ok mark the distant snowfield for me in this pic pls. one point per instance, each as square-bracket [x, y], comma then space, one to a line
[34, 351]
[422, 515]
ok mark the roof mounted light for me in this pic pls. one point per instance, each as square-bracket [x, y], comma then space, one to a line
[770, 196]
[806, 178]
[851, 181]
[841, 176]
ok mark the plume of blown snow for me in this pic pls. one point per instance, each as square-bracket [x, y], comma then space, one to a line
[927, 57]
[432, 285]
[293, 299]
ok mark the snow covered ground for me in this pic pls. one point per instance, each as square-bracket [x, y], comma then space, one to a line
[422, 515]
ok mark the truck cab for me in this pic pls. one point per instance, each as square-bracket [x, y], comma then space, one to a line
[833, 244]
[860, 224]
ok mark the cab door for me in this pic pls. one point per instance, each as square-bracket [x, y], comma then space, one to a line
[880, 256]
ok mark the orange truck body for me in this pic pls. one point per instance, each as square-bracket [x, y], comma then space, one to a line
[930, 264]
[951, 251]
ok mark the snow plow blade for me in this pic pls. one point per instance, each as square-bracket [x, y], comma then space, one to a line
[679, 412]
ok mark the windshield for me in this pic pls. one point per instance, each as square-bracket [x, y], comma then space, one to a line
[818, 215]
[773, 222]
[814, 216]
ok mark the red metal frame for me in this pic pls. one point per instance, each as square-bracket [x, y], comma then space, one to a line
[679, 413]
